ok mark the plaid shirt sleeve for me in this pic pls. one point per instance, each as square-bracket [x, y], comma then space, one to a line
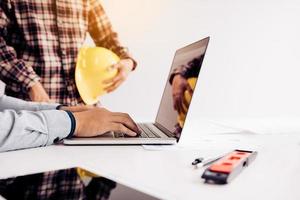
[12, 68]
[102, 32]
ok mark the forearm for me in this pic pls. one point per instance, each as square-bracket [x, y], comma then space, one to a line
[7, 102]
[13, 69]
[101, 30]
[26, 129]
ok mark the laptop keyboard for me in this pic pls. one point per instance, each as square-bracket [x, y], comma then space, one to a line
[146, 132]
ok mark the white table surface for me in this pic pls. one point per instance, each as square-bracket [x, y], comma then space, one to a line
[167, 172]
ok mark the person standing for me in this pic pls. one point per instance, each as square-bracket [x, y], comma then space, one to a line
[39, 43]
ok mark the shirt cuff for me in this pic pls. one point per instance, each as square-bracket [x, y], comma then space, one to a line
[73, 124]
[59, 125]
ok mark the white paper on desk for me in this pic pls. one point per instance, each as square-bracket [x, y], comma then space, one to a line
[279, 125]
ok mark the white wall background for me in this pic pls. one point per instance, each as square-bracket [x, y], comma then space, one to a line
[252, 66]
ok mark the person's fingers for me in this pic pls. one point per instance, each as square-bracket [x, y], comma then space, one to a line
[111, 88]
[190, 89]
[114, 86]
[108, 81]
[174, 99]
[113, 80]
[136, 128]
[180, 108]
[126, 120]
[118, 67]
[174, 104]
[120, 128]
[130, 125]
[119, 77]
[186, 104]
[178, 102]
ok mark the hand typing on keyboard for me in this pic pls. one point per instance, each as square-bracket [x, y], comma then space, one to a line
[123, 135]
[98, 121]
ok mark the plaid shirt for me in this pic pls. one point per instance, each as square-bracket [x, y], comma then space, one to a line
[61, 184]
[39, 41]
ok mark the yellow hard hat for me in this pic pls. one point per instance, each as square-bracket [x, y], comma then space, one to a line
[188, 97]
[94, 65]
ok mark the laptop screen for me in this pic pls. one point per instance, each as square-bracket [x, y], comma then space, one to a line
[180, 86]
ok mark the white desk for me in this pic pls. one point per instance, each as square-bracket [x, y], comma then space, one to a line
[168, 174]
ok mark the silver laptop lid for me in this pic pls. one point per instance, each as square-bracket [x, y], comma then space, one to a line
[179, 88]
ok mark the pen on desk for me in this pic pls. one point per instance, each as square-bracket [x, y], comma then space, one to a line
[210, 161]
[204, 162]
[197, 161]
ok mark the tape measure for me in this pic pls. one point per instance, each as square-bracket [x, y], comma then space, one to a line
[228, 167]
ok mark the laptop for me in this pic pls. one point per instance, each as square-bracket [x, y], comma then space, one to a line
[174, 105]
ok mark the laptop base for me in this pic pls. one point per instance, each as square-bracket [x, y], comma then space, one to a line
[119, 141]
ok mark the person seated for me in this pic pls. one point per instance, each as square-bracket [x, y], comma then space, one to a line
[26, 124]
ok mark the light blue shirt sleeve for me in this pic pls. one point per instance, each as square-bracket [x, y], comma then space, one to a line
[7, 102]
[26, 128]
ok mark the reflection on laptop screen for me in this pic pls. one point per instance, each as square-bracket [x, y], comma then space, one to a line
[180, 86]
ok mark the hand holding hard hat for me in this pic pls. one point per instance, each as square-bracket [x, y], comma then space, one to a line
[99, 71]
[94, 66]
[124, 67]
